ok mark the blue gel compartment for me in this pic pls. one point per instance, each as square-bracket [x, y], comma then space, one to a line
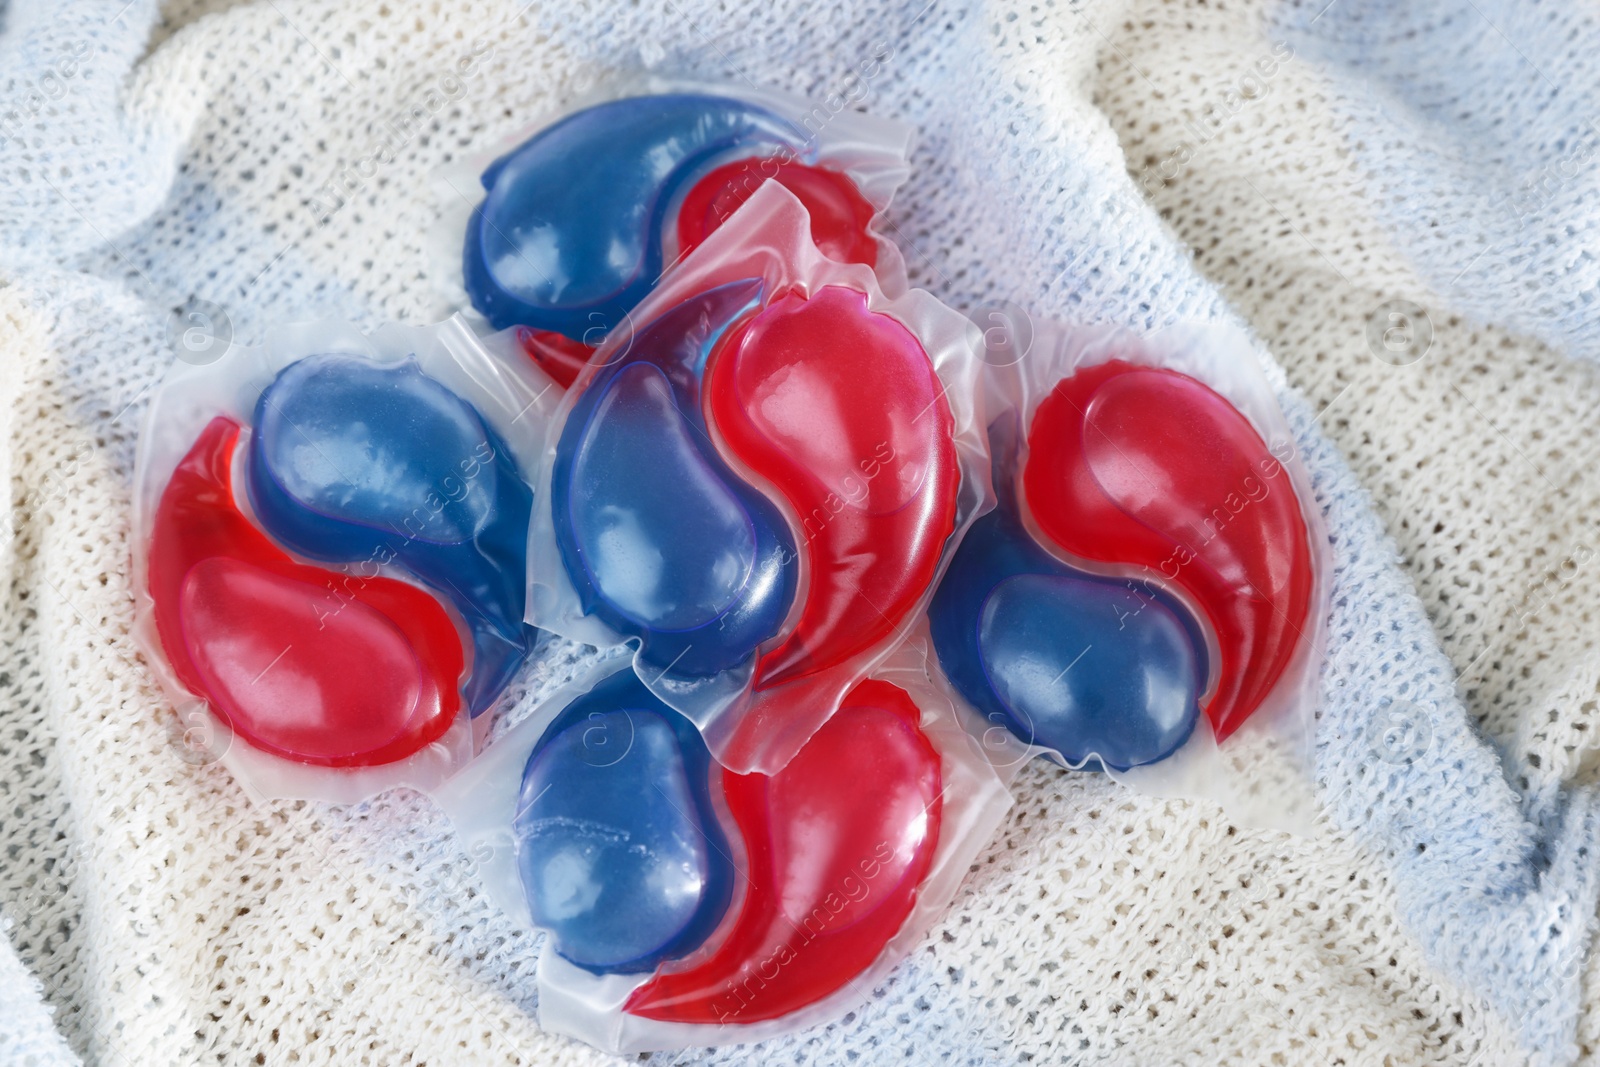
[356, 462]
[618, 846]
[1085, 665]
[569, 236]
[661, 539]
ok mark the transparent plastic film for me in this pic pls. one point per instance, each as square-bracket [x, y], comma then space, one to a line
[330, 552]
[559, 233]
[1153, 580]
[758, 483]
[690, 905]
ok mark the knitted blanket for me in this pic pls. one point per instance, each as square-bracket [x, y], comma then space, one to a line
[1397, 200]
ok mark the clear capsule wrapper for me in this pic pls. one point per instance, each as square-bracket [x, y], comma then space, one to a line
[562, 230]
[686, 904]
[757, 483]
[330, 535]
[1154, 577]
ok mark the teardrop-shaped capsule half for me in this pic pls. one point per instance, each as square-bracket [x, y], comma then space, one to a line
[621, 857]
[660, 538]
[839, 408]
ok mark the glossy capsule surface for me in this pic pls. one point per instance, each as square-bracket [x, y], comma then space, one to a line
[379, 464]
[1151, 468]
[839, 409]
[570, 234]
[660, 538]
[672, 462]
[577, 221]
[838, 843]
[621, 856]
[314, 665]
[1093, 668]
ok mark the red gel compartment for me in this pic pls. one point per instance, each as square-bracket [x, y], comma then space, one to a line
[838, 843]
[840, 215]
[1146, 466]
[311, 664]
[556, 354]
[840, 410]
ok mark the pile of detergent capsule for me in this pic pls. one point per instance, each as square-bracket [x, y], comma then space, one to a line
[768, 466]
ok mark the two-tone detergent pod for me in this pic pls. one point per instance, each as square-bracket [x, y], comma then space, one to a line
[1154, 575]
[758, 485]
[561, 234]
[686, 904]
[331, 550]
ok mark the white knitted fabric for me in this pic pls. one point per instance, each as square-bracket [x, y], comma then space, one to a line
[1442, 912]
